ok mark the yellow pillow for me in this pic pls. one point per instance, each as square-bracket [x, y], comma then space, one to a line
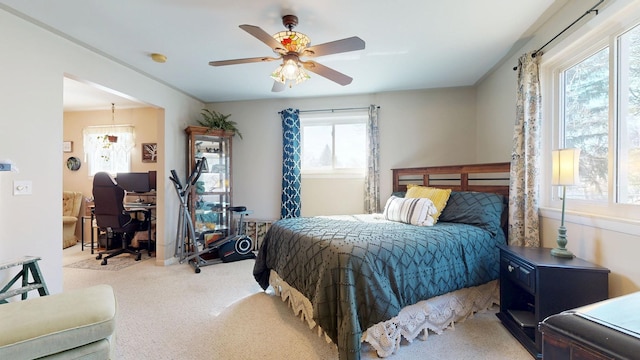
[439, 197]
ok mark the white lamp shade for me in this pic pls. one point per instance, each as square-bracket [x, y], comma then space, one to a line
[565, 165]
[290, 70]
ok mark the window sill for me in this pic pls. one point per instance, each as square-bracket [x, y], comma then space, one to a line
[625, 226]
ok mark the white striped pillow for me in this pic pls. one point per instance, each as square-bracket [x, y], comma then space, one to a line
[414, 211]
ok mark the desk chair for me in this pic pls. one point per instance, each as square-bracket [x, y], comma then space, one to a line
[111, 216]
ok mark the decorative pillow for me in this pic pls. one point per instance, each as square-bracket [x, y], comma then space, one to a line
[438, 196]
[410, 211]
[475, 208]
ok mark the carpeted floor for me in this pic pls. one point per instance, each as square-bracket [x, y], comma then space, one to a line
[113, 264]
[169, 312]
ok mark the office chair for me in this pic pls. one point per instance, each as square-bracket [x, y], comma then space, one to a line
[111, 216]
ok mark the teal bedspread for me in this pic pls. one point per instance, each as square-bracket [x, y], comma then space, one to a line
[358, 273]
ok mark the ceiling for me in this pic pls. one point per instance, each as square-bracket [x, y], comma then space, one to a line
[410, 44]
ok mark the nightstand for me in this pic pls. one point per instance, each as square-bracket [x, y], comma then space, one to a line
[535, 285]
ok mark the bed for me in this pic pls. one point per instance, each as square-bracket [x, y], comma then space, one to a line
[375, 278]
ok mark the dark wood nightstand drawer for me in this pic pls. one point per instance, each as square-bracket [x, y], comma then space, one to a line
[520, 272]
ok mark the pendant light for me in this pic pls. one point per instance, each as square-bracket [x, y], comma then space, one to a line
[113, 138]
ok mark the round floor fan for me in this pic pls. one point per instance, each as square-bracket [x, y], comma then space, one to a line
[291, 46]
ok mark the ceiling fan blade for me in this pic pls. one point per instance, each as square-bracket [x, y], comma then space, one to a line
[335, 47]
[241, 61]
[277, 86]
[327, 72]
[263, 36]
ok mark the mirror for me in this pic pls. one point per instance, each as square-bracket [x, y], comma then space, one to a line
[73, 163]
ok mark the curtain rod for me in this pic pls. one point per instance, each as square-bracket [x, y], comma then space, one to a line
[108, 125]
[334, 110]
[593, 9]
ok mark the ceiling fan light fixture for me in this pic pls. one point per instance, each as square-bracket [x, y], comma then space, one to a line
[290, 71]
[291, 46]
[292, 41]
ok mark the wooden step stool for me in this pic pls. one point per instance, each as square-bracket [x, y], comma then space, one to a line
[29, 264]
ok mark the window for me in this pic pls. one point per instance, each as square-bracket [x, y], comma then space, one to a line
[628, 172]
[585, 116]
[104, 155]
[598, 110]
[334, 143]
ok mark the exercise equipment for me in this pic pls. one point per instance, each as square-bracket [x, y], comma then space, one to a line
[193, 248]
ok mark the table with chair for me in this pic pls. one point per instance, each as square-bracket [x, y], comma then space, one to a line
[136, 209]
[116, 220]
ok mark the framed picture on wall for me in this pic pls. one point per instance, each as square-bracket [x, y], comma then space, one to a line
[150, 152]
[67, 146]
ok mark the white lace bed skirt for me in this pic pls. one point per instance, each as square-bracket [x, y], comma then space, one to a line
[414, 321]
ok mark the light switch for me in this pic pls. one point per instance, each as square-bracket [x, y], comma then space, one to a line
[22, 187]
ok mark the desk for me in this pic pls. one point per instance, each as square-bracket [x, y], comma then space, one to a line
[132, 208]
[146, 210]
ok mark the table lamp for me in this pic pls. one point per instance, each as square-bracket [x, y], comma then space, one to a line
[565, 165]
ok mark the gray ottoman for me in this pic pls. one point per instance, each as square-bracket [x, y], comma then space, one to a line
[78, 324]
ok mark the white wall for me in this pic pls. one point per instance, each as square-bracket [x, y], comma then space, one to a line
[32, 67]
[417, 128]
[607, 242]
[496, 108]
[341, 196]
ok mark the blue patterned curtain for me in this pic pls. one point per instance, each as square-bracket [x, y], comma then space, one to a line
[372, 179]
[524, 192]
[290, 163]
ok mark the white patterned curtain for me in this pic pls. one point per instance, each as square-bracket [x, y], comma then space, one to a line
[524, 185]
[372, 176]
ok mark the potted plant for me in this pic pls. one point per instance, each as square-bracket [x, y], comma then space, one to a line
[108, 140]
[215, 120]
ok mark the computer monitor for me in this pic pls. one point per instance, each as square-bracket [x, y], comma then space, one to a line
[137, 182]
[153, 175]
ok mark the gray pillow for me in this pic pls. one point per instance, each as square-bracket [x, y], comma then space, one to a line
[475, 208]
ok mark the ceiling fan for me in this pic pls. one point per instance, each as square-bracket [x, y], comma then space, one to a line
[291, 46]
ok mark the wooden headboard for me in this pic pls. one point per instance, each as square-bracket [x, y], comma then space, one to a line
[493, 177]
